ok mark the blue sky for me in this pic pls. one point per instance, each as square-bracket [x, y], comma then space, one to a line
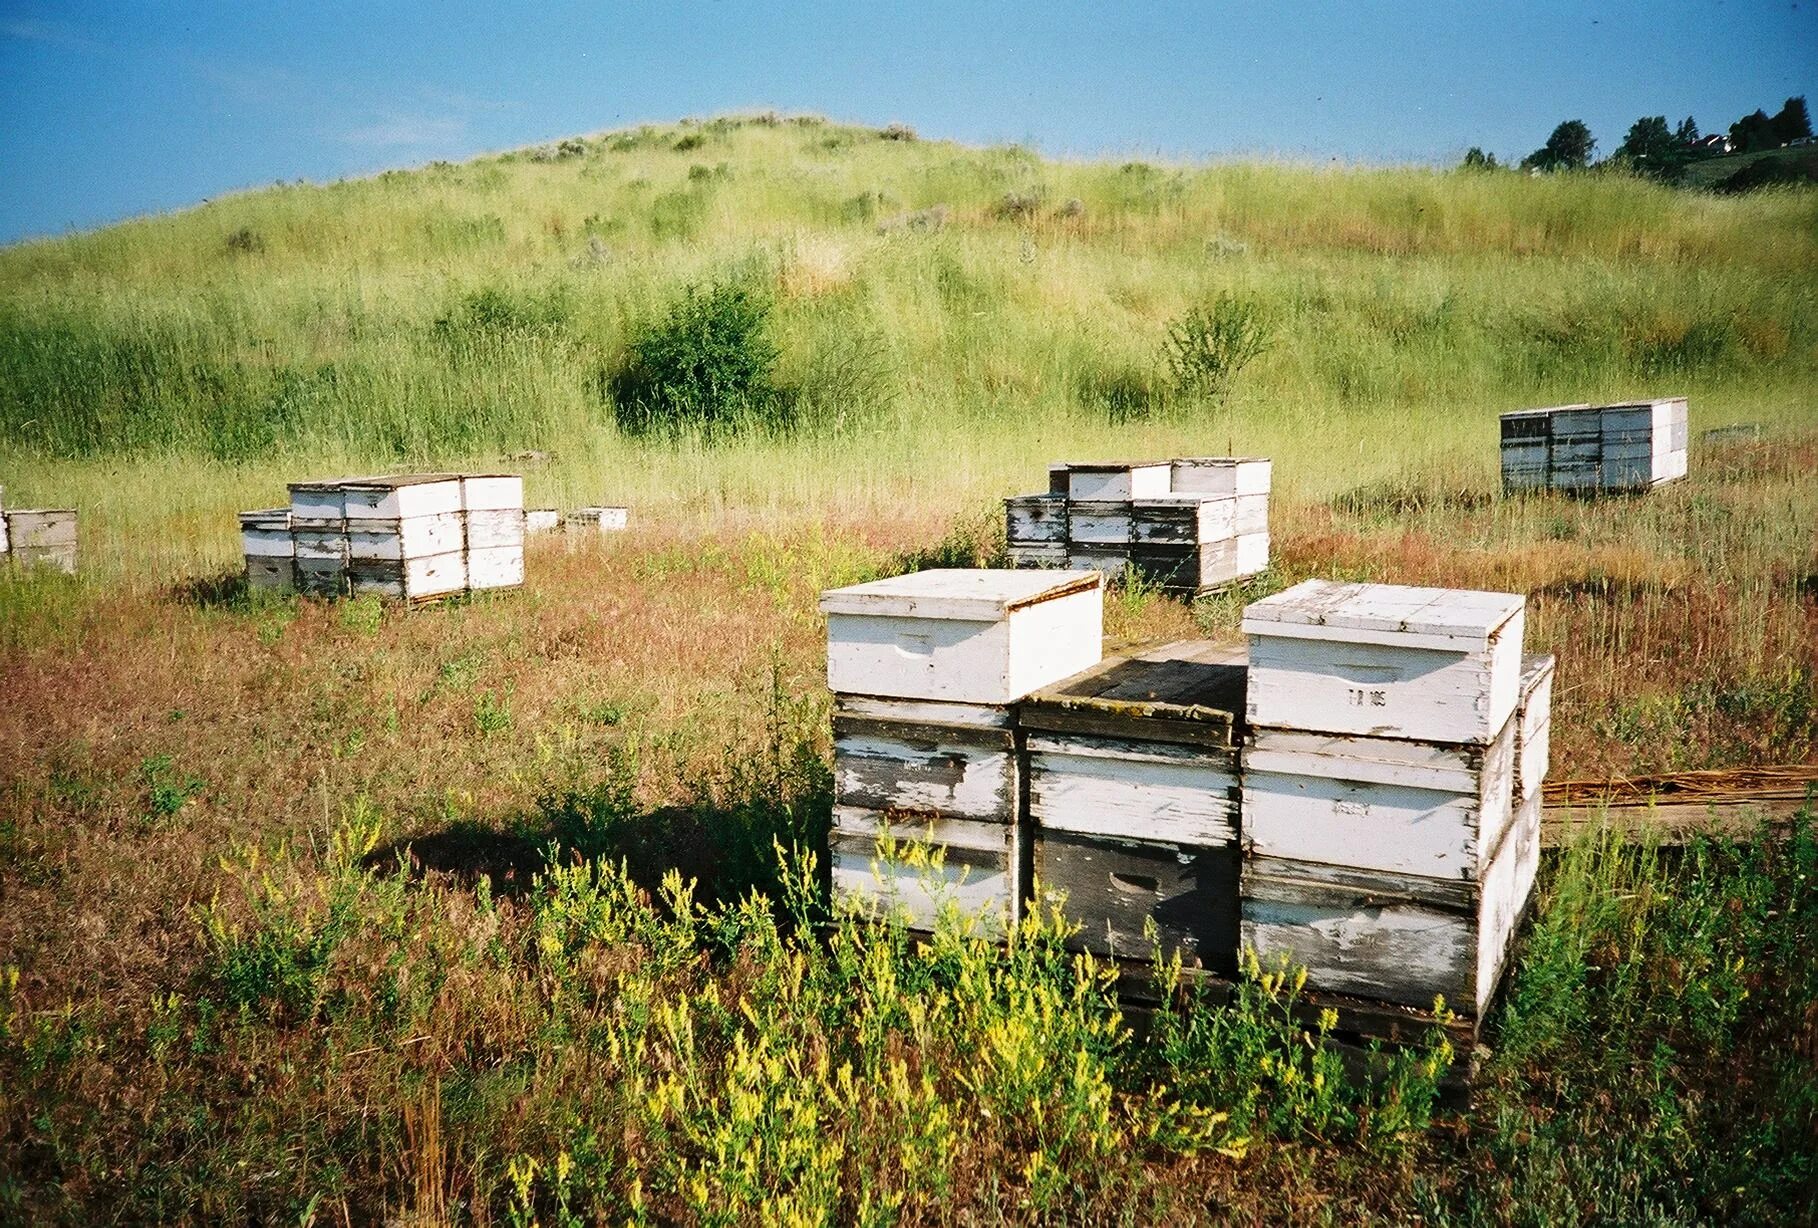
[109, 110]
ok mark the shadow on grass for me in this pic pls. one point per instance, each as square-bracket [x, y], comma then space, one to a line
[727, 850]
[219, 590]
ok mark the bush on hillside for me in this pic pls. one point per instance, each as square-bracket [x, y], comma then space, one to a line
[1772, 173]
[708, 363]
[1208, 345]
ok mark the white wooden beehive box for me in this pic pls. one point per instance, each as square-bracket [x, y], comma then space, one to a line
[495, 567]
[1035, 520]
[1435, 810]
[418, 578]
[1439, 665]
[491, 528]
[1396, 938]
[978, 872]
[1099, 522]
[964, 636]
[1227, 476]
[492, 492]
[401, 496]
[542, 520]
[1110, 562]
[599, 519]
[409, 537]
[42, 537]
[320, 500]
[1185, 520]
[1117, 481]
[1132, 782]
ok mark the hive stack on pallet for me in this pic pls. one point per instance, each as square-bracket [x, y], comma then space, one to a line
[1384, 849]
[1186, 525]
[413, 537]
[1586, 449]
[1132, 774]
[925, 669]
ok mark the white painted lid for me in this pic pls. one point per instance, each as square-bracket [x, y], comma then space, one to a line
[961, 594]
[396, 481]
[1328, 610]
[1109, 466]
[1214, 462]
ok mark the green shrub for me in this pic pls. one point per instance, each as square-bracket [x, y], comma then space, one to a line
[709, 363]
[1210, 344]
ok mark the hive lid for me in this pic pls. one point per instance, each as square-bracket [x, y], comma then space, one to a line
[1542, 413]
[1383, 613]
[322, 484]
[1184, 691]
[962, 594]
[1219, 461]
[1111, 466]
[397, 481]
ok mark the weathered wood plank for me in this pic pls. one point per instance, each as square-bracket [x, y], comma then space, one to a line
[931, 770]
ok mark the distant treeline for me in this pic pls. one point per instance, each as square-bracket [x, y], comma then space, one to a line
[1659, 151]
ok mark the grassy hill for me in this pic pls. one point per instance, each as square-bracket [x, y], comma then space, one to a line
[334, 912]
[1709, 172]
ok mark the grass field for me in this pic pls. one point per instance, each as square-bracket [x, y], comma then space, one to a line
[313, 912]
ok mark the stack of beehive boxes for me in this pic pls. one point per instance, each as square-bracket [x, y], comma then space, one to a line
[1386, 847]
[1131, 770]
[925, 669]
[413, 537]
[1587, 449]
[1187, 525]
[38, 536]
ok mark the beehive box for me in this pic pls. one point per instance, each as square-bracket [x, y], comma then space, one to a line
[1117, 481]
[1184, 520]
[1196, 569]
[5, 537]
[1533, 724]
[1132, 779]
[599, 519]
[269, 549]
[1434, 810]
[1100, 522]
[1110, 562]
[398, 539]
[1036, 520]
[398, 497]
[962, 636]
[495, 567]
[1397, 938]
[977, 870]
[414, 578]
[492, 492]
[42, 537]
[1644, 444]
[943, 775]
[1380, 660]
[492, 529]
[541, 520]
[1226, 476]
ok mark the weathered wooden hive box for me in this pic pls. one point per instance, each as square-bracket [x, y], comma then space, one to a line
[1384, 847]
[1527, 436]
[405, 535]
[1116, 481]
[541, 520]
[1035, 529]
[924, 669]
[41, 537]
[269, 548]
[1534, 724]
[1222, 476]
[493, 505]
[1644, 444]
[1131, 769]
[599, 519]
[1383, 660]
